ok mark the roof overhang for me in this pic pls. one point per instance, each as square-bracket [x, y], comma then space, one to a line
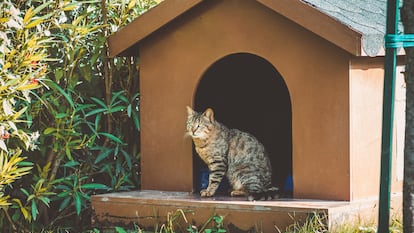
[127, 37]
[124, 42]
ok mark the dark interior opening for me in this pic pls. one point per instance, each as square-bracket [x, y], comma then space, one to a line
[247, 92]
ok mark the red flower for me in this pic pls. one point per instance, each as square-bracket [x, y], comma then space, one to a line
[5, 136]
[34, 63]
[34, 81]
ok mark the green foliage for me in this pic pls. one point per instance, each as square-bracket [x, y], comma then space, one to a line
[313, 223]
[69, 116]
[317, 223]
[217, 225]
[176, 221]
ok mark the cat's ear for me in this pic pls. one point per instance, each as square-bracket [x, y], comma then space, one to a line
[190, 111]
[209, 114]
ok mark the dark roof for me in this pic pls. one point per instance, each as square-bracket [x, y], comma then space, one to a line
[356, 26]
[365, 16]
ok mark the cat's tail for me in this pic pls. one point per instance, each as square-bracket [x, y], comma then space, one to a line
[270, 194]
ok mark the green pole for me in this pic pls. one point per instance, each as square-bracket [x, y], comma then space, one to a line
[387, 119]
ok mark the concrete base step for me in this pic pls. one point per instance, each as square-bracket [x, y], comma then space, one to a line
[151, 209]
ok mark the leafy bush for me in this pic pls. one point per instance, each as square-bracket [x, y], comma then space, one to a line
[69, 118]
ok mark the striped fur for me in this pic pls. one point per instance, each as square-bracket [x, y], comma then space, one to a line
[231, 152]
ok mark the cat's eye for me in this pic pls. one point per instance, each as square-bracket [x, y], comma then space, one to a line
[195, 127]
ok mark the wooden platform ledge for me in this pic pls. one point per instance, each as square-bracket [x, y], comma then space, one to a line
[147, 208]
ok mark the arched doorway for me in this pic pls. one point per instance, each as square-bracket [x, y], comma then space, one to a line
[248, 93]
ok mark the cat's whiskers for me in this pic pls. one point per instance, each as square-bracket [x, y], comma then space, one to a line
[187, 134]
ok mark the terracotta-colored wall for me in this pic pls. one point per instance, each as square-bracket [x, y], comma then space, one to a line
[366, 86]
[315, 71]
[399, 129]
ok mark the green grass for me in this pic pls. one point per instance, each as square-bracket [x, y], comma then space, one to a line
[316, 223]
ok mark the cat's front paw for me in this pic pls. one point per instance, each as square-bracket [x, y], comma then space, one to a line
[236, 193]
[206, 193]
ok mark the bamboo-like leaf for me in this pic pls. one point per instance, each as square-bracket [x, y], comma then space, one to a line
[25, 213]
[7, 65]
[85, 196]
[61, 115]
[39, 20]
[71, 164]
[45, 200]
[4, 20]
[68, 153]
[30, 86]
[61, 91]
[78, 19]
[13, 80]
[9, 169]
[97, 121]
[41, 7]
[66, 26]
[19, 203]
[70, 6]
[100, 102]
[19, 113]
[127, 158]
[131, 4]
[49, 130]
[58, 74]
[129, 110]
[135, 118]
[103, 155]
[22, 171]
[94, 186]
[64, 194]
[4, 200]
[115, 97]
[112, 137]
[120, 230]
[34, 210]
[116, 109]
[82, 107]
[118, 167]
[39, 184]
[24, 191]
[12, 125]
[78, 203]
[3, 146]
[64, 203]
[96, 111]
[34, 23]
[31, 43]
[31, 197]
[7, 108]
[25, 163]
[36, 57]
[124, 99]
[3, 87]
[4, 162]
[28, 15]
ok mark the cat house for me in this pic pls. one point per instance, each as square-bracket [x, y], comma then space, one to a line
[305, 80]
[304, 76]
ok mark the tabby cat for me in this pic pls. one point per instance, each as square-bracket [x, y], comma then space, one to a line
[231, 152]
